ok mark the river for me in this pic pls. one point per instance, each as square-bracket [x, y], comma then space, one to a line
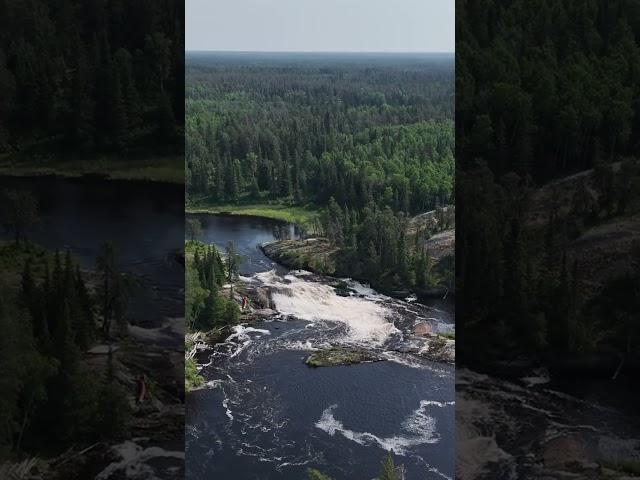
[265, 414]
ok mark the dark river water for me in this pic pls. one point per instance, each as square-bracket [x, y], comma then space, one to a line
[143, 221]
[265, 415]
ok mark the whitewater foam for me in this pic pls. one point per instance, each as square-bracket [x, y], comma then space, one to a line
[133, 458]
[366, 321]
[420, 428]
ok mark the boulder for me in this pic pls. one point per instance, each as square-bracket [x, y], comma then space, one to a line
[563, 451]
[333, 356]
[422, 329]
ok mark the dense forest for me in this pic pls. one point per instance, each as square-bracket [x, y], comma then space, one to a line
[50, 315]
[547, 129]
[314, 130]
[553, 90]
[386, 249]
[91, 76]
[367, 141]
[207, 307]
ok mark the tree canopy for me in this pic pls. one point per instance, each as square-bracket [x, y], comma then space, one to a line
[91, 75]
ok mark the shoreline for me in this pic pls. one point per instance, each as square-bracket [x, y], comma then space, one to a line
[301, 263]
[266, 211]
[438, 349]
[299, 215]
[161, 170]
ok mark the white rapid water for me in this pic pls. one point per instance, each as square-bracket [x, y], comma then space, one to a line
[417, 429]
[264, 413]
[367, 321]
[134, 461]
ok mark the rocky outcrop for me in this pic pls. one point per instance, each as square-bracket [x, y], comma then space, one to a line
[318, 255]
[313, 254]
[422, 329]
[333, 356]
[439, 347]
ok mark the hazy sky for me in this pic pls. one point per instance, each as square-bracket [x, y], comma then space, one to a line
[321, 25]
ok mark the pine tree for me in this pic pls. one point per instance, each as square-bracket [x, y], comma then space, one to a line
[118, 112]
[113, 407]
[165, 119]
[388, 469]
[28, 284]
[80, 123]
[313, 474]
[85, 327]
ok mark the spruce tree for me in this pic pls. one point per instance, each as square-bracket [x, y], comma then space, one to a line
[388, 469]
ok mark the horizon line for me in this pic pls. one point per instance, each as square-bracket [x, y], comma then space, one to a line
[441, 52]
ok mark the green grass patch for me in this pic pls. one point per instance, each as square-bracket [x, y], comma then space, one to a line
[192, 379]
[448, 335]
[300, 215]
[167, 169]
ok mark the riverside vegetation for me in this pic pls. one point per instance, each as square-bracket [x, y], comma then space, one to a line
[83, 370]
[388, 471]
[207, 309]
[368, 153]
[51, 314]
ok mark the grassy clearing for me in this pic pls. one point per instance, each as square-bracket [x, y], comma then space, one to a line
[167, 169]
[301, 215]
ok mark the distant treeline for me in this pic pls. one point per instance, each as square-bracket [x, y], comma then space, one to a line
[309, 131]
[368, 141]
[91, 75]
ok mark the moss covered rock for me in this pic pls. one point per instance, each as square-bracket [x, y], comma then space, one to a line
[340, 356]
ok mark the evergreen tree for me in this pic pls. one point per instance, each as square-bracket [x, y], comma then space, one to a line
[388, 470]
[20, 212]
[113, 407]
[313, 474]
[165, 119]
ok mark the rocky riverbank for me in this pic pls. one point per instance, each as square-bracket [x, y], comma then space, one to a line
[318, 255]
[437, 347]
